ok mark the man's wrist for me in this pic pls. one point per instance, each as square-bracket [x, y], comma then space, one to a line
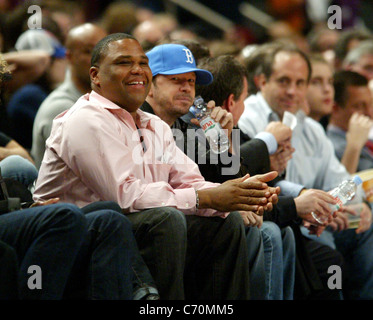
[203, 198]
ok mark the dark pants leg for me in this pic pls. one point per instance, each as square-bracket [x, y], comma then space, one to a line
[323, 257]
[143, 282]
[161, 238]
[48, 237]
[217, 263]
[357, 253]
[102, 270]
[8, 273]
[256, 251]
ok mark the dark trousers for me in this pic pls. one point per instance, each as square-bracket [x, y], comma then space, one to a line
[142, 281]
[48, 237]
[103, 268]
[8, 272]
[193, 257]
[323, 257]
[80, 255]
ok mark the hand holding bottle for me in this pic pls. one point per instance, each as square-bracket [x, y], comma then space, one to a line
[206, 115]
[344, 192]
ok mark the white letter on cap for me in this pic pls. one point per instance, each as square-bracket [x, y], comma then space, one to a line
[189, 56]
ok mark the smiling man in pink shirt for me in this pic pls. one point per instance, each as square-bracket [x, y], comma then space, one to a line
[105, 148]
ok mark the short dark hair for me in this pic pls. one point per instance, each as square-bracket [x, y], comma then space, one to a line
[341, 47]
[344, 79]
[198, 49]
[268, 59]
[228, 73]
[101, 47]
[253, 63]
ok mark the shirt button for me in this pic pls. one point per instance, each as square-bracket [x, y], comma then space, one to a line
[187, 204]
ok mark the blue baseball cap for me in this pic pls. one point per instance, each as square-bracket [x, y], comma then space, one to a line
[171, 59]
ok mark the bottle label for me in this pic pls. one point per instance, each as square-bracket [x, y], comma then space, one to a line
[339, 202]
[208, 125]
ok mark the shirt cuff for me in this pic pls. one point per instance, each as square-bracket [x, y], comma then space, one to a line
[269, 139]
[289, 188]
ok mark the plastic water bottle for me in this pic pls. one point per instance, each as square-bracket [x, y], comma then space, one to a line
[214, 133]
[343, 193]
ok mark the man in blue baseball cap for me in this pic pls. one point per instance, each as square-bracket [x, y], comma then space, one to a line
[175, 75]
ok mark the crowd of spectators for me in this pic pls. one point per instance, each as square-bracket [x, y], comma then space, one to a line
[96, 143]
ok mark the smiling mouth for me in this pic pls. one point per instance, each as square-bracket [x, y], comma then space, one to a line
[134, 83]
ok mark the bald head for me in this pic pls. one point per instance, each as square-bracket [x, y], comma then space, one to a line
[84, 33]
[79, 44]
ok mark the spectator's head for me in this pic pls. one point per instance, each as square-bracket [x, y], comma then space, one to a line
[120, 71]
[320, 91]
[352, 95]
[149, 33]
[229, 88]
[49, 40]
[321, 39]
[119, 16]
[199, 50]
[347, 41]
[360, 59]
[286, 72]
[175, 75]
[253, 63]
[79, 45]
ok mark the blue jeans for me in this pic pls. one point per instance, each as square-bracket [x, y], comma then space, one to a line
[49, 237]
[19, 169]
[143, 282]
[8, 272]
[255, 246]
[80, 255]
[279, 256]
[212, 251]
[358, 255]
[102, 270]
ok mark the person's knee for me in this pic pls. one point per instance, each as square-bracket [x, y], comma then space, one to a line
[63, 216]
[271, 234]
[107, 219]
[288, 237]
[102, 205]
[18, 168]
[170, 217]
[235, 221]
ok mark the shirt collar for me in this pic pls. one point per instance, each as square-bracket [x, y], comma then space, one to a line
[144, 119]
[266, 109]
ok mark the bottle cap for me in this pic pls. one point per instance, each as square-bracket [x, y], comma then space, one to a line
[357, 180]
[198, 100]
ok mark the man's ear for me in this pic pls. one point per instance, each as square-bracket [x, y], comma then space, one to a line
[150, 94]
[93, 73]
[260, 81]
[229, 103]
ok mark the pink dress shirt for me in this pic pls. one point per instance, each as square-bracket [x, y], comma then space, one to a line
[95, 152]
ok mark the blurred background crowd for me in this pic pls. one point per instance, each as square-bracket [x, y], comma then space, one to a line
[224, 27]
